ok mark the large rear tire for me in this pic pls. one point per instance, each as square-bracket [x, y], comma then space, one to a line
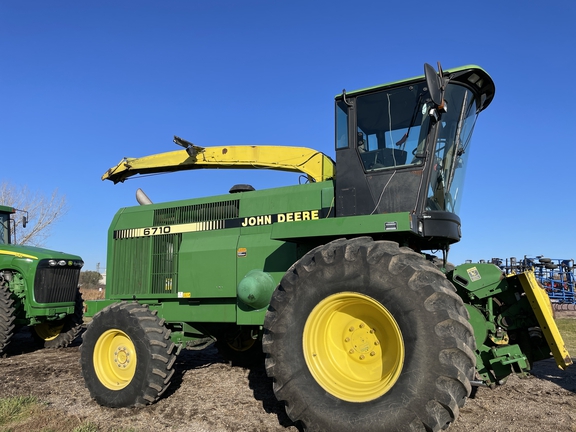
[439, 263]
[61, 333]
[7, 317]
[127, 356]
[364, 335]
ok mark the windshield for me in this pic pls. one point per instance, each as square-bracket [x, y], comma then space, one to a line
[451, 150]
[392, 127]
[4, 228]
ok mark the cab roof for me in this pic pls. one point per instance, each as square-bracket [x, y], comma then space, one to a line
[471, 75]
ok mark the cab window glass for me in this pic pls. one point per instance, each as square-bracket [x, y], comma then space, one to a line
[341, 125]
[4, 228]
[391, 127]
[451, 151]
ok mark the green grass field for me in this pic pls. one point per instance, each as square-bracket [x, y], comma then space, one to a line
[20, 413]
[567, 327]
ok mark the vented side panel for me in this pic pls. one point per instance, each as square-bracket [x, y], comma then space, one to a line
[197, 213]
[131, 266]
[165, 263]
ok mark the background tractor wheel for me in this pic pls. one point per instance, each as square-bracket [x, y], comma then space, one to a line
[7, 317]
[61, 333]
[545, 260]
[364, 335]
[127, 356]
[238, 345]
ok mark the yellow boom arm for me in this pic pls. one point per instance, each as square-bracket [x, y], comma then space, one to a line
[316, 165]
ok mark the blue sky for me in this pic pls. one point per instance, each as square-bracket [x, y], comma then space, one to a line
[83, 84]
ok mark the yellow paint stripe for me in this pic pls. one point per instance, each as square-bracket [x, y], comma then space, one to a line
[17, 254]
[169, 229]
[540, 301]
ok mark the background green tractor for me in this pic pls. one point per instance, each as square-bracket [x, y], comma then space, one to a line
[362, 329]
[39, 289]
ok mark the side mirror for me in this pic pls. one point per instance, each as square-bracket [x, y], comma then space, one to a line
[435, 84]
[24, 221]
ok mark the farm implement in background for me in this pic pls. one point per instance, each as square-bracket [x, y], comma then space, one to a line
[555, 275]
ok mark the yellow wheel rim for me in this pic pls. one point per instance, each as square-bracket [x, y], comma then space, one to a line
[48, 331]
[114, 359]
[353, 347]
[241, 342]
[242, 345]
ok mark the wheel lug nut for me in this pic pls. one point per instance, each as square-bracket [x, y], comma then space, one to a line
[372, 331]
[351, 329]
[351, 351]
[376, 343]
[361, 325]
[362, 357]
[347, 339]
[372, 353]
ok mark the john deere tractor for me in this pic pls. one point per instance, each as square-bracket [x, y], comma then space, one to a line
[39, 289]
[361, 326]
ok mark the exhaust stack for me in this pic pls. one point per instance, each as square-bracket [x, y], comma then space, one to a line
[142, 198]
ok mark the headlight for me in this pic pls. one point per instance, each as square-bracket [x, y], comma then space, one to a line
[66, 263]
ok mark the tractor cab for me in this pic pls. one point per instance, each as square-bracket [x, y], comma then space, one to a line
[403, 147]
[5, 213]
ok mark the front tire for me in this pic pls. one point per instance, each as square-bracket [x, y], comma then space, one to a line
[364, 335]
[61, 333]
[7, 317]
[127, 356]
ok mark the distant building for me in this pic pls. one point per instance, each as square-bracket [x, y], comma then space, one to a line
[102, 280]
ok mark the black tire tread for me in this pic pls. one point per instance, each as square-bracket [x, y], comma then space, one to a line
[7, 317]
[72, 328]
[455, 362]
[160, 351]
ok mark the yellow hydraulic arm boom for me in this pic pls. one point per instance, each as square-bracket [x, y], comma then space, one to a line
[316, 165]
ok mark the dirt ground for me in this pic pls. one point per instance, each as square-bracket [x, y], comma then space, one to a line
[209, 395]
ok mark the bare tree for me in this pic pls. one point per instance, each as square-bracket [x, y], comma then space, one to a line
[43, 212]
[90, 279]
